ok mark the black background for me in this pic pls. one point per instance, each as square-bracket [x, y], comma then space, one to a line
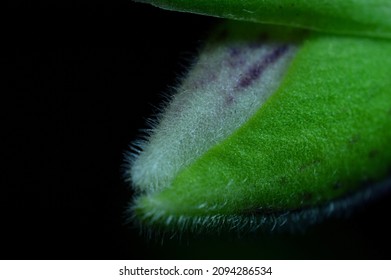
[77, 89]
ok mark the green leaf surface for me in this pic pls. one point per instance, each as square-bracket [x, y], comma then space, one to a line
[322, 135]
[357, 17]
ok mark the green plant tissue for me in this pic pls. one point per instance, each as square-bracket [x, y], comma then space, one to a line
[360, 17]
[270, 120]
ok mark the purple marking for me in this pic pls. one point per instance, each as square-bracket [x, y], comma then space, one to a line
[234, 52]
[256, 70]
[235, 58]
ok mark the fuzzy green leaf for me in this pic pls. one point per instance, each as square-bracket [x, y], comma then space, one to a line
[320, 134]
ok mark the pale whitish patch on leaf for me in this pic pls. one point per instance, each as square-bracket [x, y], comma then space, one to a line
[226, 85]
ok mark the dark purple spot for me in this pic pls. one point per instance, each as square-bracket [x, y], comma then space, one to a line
[234, 51]
[256, 70]
[235, 57]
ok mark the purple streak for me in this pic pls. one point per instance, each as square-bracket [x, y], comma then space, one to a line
[256, 70]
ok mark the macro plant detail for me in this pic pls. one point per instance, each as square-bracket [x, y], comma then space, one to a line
[283, 120]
